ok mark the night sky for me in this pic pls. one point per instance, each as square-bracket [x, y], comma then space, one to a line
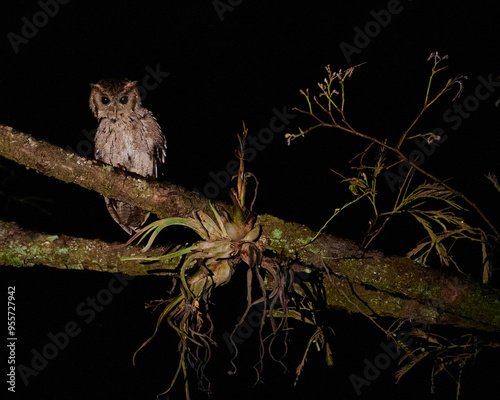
[205, 67]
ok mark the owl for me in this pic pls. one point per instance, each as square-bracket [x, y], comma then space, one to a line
[127, 137]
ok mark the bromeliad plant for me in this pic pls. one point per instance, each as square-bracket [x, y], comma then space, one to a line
[207, 264]
[435, 206]
[228, 240]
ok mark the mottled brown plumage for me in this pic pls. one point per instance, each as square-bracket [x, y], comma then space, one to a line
[127, 137]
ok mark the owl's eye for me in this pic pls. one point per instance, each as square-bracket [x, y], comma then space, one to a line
[124, 100]
[104, 100]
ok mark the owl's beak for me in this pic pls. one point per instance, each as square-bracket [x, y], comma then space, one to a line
[114, 111]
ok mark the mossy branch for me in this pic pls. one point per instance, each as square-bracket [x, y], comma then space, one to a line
[25, 248]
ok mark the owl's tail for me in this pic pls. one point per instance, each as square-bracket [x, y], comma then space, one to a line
[130, 218]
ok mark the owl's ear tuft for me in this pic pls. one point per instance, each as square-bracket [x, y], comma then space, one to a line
[130, 84]
[95, 86]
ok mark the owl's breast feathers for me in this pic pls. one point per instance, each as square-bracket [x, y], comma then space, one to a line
[135, 144]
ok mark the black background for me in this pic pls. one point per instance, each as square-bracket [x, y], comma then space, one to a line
[224, 68]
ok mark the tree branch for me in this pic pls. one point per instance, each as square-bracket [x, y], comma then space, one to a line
[24, 248]
[160, 198]
[357, 281]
